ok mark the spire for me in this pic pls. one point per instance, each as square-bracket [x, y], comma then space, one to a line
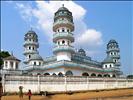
[62, 5]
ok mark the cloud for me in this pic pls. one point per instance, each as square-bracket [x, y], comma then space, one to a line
[44, 11]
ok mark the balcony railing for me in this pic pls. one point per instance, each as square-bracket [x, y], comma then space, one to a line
[63, 48]
[30, 51]
[30, 43]
[67, 35]
[60, 23]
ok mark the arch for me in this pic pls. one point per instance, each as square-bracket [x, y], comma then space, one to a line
[93, 75]
[60, 74]
[106, 75]
[54, 74]
[114, 75]
[46, 74]
[38, 74]
[99, 75]
[69, 73]
[85, 74]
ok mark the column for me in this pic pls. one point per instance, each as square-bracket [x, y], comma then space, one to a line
[8, 64]
[14, 65]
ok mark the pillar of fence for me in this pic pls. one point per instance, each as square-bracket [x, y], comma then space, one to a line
[3, 82]
[38, 83]
[65, 82]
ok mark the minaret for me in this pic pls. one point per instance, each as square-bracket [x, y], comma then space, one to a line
[113, 51]
[63, 37]
[30, 45]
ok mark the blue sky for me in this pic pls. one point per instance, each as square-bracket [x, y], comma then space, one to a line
[95, 24]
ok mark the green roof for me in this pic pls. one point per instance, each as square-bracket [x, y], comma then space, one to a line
[108, 59]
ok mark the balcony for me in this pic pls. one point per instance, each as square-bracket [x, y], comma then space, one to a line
[62, 35]
[63, 48]
[30, 43]
[30, 52]
[63, 23]
[113, 49]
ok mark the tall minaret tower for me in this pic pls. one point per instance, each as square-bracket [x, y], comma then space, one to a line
[113, 51]
[30, 45]
[63, 38]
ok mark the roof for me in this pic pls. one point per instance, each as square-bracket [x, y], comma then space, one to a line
[11, 58]
[36, 57]
[108, 59]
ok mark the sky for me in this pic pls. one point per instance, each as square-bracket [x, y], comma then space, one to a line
[96, 22]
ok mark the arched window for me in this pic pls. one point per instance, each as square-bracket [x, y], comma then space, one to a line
[46, 74]
[69, 73]
[93, 75]
[63, 42]
[99, 75]
[60, 74]
[85, 74]
[38, 74]
[110, 65]
[63, 30]
[34, 63]
[113, 75]
[29, 56]
[106, 75]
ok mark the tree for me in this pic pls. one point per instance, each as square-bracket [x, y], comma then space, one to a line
[3, 54]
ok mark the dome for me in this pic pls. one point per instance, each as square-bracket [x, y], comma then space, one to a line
[36, 57]
[108, 60]
[31, 32]
[62, 8]
[112, 41]
[82, 52]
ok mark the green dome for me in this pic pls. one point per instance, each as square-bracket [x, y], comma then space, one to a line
[108, 60]
[36, 57]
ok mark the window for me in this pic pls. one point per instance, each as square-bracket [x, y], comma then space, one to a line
[29, 56]
[11, 63]
[63, 30]
[105, 66]
[29, 48]
[110, 65]
[63, 42]
[67, 30]
[69, 73]
[39, 63]
[33, 48]
[6, 64]
[16, 65]
[34, 63]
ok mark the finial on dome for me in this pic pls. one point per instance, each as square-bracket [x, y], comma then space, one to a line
[62, 5]
[31, 28]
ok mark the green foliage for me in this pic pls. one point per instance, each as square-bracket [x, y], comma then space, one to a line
[130, 76]
[3, 54]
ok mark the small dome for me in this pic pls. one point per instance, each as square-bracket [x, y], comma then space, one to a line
[108, 60]
[11, 58]
[36, 57]
[82, 52]
[62, 8]
[31, 32]
[112, 41]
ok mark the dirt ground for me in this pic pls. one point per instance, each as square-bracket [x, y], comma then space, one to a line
[123, 94]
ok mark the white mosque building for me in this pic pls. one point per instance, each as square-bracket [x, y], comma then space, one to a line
[66, 60]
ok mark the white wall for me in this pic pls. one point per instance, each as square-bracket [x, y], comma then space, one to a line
[61, 83]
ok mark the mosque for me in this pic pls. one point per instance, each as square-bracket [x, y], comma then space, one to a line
[66, 60]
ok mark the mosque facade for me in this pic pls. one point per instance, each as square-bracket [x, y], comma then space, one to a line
[66, 60]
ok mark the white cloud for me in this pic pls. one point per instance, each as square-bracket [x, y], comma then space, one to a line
[44, 13]
[91, 37]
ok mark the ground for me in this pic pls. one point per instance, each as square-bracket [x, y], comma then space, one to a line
[123, 94]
